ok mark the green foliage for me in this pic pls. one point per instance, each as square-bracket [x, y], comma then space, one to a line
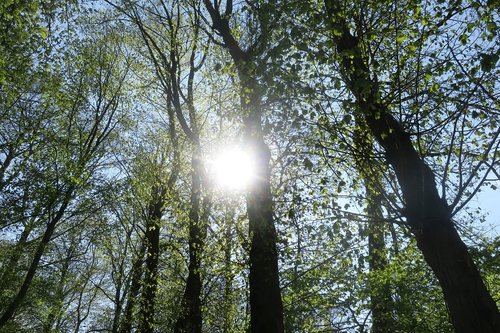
[85, 104]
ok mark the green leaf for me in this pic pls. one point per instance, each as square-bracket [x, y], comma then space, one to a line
[464, 38]
[488, 61]
[347, 119]
[308, 164]
[401, 39]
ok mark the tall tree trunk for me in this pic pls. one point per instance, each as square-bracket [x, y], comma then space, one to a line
[23, 290]
[118, 308]
[190, 319]
[228, 277]
[380, 295]
[11, 266]
[471, 307]
[168, 69]
[135, 285]
[152, 236]
[265, 294]
[56, 311]
[150, 282]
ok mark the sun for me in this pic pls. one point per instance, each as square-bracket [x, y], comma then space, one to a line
[233, 168]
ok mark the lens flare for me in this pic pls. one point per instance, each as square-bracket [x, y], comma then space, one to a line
[233, 169]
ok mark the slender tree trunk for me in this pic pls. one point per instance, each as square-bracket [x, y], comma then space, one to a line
[190, 319]
[11, 267]
[150, 282]
[265, 294]
[168, 70]
[4, 166]
[380, 294]
[56, 310]
[135, 285]
[228, 278]
[118, 308]
[471, 307]
[23, 290]
[152, 237]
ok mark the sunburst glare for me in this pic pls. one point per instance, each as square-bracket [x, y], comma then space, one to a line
[233, 168]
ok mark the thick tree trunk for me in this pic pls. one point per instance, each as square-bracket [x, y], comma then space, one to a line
[265, 295]
[23, 290]
[190, 320]
[471, 307]
[150, 282]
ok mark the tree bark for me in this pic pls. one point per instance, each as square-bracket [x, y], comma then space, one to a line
[11, 266]
[168, 71]
[135, 285]
[227, 326]
[265, 294]
[380, 294]
[56, 311]
[471, 307]
[150, 282]
[190, 319]
[23, 290]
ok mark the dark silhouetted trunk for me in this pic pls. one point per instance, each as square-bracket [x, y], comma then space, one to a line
[23, 290]
[265, 296]
[11, 267]
[380, 291]
[168, 69]
[381, 304]
[118, 307]
[57, 309]
[150, 281]
[190, 320]
[228, 278]
[471, 307]
[135, 285]
[190, 317]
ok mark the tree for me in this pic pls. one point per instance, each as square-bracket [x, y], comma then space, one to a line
[166, 49]
[380, 295]
[371, 127]
[471, 306]
[86, 115]
[265, 297]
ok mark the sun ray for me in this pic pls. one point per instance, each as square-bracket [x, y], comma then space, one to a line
[233, 168]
